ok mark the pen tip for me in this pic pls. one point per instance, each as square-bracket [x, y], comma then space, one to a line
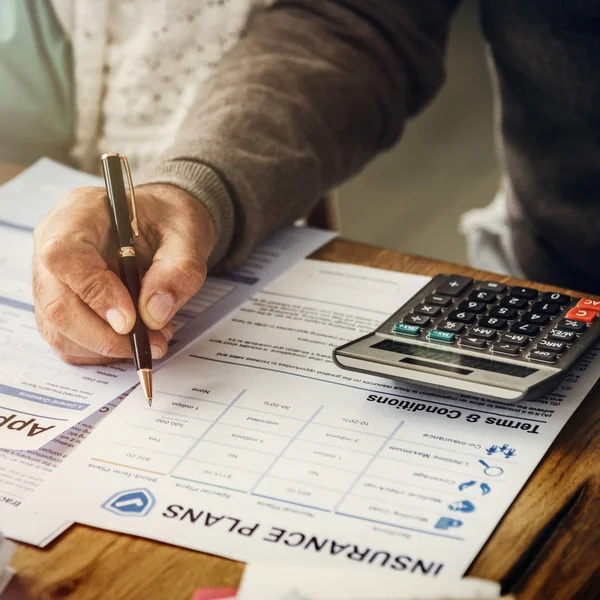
[145, 376]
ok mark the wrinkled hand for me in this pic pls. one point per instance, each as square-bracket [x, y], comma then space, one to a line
[82, 308]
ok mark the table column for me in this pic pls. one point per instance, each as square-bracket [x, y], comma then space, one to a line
[322, 463]
[243, 442]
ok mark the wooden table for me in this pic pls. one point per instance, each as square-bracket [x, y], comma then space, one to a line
[547, 546]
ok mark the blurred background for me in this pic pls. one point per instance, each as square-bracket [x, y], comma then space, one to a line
[444, 165]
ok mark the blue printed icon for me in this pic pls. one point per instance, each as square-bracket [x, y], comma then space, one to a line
[484, 487]
[131, 503]
[491, 470]
[447, 523]
[504, 449]
[462, 506]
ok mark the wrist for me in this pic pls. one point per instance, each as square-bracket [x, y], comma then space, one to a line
[208, 191]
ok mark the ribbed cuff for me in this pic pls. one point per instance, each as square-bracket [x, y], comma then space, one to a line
[204, 184]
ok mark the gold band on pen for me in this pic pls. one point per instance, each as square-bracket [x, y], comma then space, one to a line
[126, 251]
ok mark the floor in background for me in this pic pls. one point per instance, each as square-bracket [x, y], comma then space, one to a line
[411, 198]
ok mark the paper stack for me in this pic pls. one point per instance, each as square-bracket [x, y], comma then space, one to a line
[7, 549]
[269, 582]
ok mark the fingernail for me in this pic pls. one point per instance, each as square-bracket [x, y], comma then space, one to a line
[116, 319]
[160, 306]
[167, 333]
[156, 352]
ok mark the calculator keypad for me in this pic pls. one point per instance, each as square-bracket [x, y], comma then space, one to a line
[515, 322]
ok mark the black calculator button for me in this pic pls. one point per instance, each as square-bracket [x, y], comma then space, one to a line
[562, 335]
[429, 310]
[571, 325]
[535, 318]
[555, 298]
[482, 296]
[542, 356]
[472, 342]
[523, 292]
[525, 328]
[462, 315]
[492, 286]
[438, 300]
[454, 286]
[414, 319]
[493, 322]
[483, 332]
[451, 327]
[472, 306]
[547, 308]
[504, 348]
[504, 312]
[514, 302]
[518, 339]
[551, 346]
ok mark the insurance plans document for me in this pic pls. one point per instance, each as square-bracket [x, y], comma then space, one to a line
[258, 448]
[48, 407]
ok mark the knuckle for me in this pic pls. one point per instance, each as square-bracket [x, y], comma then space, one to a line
[55, 311]
[52, 252]
[92, 289]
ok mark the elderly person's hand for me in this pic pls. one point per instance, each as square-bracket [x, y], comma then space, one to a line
[81, 306]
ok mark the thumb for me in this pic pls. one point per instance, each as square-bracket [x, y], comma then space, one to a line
[177, 272]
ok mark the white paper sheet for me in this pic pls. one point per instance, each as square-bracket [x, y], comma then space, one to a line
[28, 366]
[258, 448]
[267, 582]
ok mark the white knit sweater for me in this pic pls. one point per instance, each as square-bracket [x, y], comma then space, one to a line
[138, 65]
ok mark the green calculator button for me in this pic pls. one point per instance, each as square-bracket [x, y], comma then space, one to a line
[441, 336]
[406, 329]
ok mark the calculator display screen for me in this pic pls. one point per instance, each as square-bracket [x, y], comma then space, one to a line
[460, 360]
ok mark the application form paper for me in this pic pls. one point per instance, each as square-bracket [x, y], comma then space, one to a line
[258, 448]
[28, 365]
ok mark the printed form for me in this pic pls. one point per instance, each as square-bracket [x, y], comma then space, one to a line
[258, 448]
[43, 401]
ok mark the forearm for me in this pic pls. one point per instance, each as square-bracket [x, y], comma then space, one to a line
[313, 90]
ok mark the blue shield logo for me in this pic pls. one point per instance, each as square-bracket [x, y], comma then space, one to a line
[130, 503]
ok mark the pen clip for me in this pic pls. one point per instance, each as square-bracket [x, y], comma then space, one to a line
[134, 222]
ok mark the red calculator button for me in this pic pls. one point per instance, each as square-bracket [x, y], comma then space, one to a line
[581, 314]
[588, 304]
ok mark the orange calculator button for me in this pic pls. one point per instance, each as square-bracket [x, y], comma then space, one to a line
[581, 314]
[588, 304]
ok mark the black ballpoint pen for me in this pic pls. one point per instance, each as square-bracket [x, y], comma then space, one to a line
[124, 229]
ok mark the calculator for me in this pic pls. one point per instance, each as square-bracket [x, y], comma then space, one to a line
[478, 337]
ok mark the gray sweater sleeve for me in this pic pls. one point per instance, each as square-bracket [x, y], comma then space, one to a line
[312, 91]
